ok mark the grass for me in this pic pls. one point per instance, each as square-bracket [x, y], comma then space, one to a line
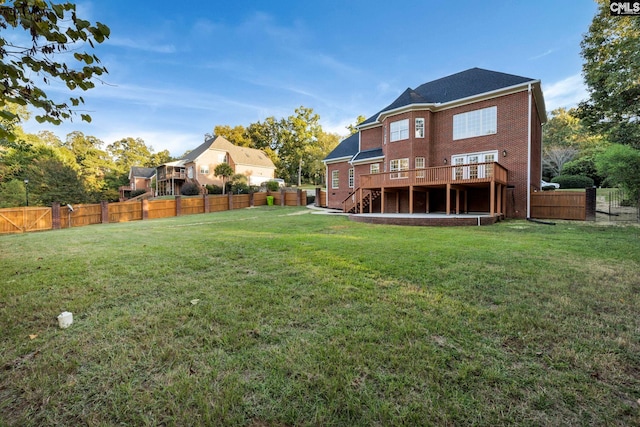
[276, 317]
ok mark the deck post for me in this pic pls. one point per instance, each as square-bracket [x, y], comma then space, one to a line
[448, 198]
[411, 199]
[427, 207]
[360, 199]
[382, 200]
[492, 198]
[457, 201]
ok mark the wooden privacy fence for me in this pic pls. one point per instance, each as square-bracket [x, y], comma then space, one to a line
[20, 220]
[571, 205]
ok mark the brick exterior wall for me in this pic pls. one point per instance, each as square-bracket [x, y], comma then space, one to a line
[438, 144]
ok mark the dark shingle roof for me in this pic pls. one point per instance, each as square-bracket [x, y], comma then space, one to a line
[349, 147]
[142, 172]
[368, 154]
[474, 81]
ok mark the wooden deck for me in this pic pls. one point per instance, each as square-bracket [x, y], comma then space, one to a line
[459, 178]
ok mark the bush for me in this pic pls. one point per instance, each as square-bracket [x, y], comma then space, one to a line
[273, 186]
[190, 189]
[214, 189]
[585, 166]
[573, 181]
[136, 193]
[239, 188]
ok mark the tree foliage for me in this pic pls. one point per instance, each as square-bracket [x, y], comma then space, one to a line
[620, 164]
[223, 170]
[52, 30]
[611, 69]
[353, 129]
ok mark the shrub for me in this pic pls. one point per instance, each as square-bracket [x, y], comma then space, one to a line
[273, 186]
[214, 189]
[136, 193]
[190, 189]
[585, 166]
[573, 181]
[239, 188]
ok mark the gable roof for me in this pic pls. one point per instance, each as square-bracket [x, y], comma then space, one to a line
[348, 147]
[465, 84]
[242, 155]
[140, 172]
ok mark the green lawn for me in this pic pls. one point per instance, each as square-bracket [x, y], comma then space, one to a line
[277, 317]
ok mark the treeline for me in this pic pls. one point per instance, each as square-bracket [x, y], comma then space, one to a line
[83, 169]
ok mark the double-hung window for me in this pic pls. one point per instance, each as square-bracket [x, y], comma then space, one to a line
[399, 130]
[419, 128]
[351, 178]
[374, 168]
[204, 169]
[475, 123]
[396, 166]
[335, 179]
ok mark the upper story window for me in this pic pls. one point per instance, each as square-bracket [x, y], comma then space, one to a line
[420, 128]
[351, 178]
[475, 123]
[374, 168]
[190, 172]
[399, 165]
[419, 162]
[335, 179]
[204, 169]
[399, 130]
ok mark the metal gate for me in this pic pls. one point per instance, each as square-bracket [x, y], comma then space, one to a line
[618, 205]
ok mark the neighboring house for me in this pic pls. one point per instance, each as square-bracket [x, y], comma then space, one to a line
[469, 142]
[139, 179]
[198, 166]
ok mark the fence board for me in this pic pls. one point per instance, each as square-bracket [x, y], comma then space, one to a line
[241, 201]
[259, 199]
[218, 203]
[192, 205]
[559, 205]
[123, 212]
[162, 208]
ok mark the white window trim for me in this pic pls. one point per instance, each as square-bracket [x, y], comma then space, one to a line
[335, 179]
[475, 123]
[419, 127]
[468, 169]
[399, 130]
[376, 166]
[400, 166]
[351, 177]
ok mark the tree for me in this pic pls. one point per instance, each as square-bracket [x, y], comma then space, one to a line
[554, 158]
[299, 133]
[620, 164]
[225, 171]
[236, 135]
[353, 129]
[317, 152]
[611, 69]
[53, 30]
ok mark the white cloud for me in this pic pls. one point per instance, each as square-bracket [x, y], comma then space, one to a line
[565, 93]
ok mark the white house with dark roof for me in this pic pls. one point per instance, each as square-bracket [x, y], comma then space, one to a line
[468, 142]
[199, 164]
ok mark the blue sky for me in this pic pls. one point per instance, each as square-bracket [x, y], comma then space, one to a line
[177, 69]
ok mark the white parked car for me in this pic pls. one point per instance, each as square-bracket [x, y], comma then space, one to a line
[549, 184]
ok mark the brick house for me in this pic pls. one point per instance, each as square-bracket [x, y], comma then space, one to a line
[140, 178]
[199, 164]
[468, 142]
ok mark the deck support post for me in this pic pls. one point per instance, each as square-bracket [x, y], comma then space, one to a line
[448, 198]
[411, 199]
[492, 199]
[382, 200]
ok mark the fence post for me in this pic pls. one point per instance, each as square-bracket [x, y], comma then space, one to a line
[55, 216]
[206, 203]
[145, 209]
[104, 212]
[283, 196]
[230, 201]
[178, 205]
[590, 204]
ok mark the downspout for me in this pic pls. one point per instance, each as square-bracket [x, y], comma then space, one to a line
[529, 156]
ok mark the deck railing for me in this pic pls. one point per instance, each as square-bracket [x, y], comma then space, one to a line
[455, 174]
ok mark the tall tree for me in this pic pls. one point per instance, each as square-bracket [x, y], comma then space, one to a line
[300, 132]
[611, 69]
[93, 163]
[53, 29]
[236, 135]
[223, 170]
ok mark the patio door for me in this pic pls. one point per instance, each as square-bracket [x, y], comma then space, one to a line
[467, 167]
